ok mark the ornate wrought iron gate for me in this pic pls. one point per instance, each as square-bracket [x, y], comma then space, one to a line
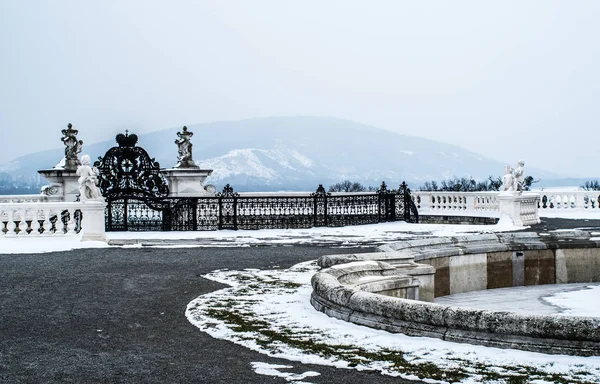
[137, 197]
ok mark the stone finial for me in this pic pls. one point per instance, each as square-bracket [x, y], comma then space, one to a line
[184, 149]
[72, 147]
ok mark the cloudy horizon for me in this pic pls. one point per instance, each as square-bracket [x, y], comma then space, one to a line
[507, 80]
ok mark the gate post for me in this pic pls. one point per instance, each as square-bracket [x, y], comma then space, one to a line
[407, 201]
[383, 203]
[320, 206]
[228, 208]
[411, 214]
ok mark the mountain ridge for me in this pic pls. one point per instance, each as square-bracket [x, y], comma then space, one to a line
[296, 153]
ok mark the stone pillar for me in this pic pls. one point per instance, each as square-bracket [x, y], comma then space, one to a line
[63, 179]
[188, 182]
[92, 225]
[520, 210]
[64, 184]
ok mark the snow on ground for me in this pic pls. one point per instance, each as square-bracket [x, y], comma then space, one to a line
[367, 235]
[276, 370]
[576, 299]
[570, 214]
[42, 244]
[269, 311]
[582, 302]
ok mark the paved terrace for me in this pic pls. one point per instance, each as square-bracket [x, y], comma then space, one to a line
[117, 315]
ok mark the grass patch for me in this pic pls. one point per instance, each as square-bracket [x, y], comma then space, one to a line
[235, 311]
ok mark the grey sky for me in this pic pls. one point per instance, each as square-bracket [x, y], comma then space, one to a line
[507, 79]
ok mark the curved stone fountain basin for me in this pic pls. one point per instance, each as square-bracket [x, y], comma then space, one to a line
[464, 264]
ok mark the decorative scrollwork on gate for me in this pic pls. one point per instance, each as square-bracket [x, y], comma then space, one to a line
[228, 208]
[320, 197]
[128, 171]
[405, 205]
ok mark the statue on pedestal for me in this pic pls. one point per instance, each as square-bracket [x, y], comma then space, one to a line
[513, 180]
[72, 147]
[88, 179]
[184, 149]
[519, 178]
[508, 180]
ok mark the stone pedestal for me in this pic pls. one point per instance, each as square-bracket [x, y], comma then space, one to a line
[92, 225]
[64, 184]
[521, 210]
[188, 182]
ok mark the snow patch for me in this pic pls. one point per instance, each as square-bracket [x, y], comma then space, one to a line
[275, 370]
[239, 161]
[578, 303]
[283, 307]
[351, 236]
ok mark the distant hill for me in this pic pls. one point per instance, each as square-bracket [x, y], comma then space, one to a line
[298, 153]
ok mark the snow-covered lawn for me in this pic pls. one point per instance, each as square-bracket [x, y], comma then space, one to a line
[360, 235]
[269, 311]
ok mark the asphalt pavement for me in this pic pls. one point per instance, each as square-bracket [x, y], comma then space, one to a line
[117, 315]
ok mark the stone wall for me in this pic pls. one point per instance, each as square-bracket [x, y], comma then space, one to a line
[471, 263]
[462, 220]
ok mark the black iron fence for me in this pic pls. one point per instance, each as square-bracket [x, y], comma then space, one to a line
[230, 210]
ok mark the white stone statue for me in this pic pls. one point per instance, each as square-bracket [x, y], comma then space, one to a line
[88, 178]
[508, 180]
[519, 179]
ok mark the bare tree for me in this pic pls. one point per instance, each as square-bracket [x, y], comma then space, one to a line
[591, 185]
[347, 186]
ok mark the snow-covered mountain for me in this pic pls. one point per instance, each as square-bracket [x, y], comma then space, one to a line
[298, 153]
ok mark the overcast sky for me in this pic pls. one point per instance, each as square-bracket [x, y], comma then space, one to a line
[507, 79]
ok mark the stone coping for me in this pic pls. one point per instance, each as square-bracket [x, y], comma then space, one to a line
[435, 247]
[338, 296]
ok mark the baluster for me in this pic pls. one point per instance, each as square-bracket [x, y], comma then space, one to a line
[10, 226]
[35, 224]
[580, 202]
[46, 225]
[60, 225]
[71, 223]
[468, 203]
[22, 225]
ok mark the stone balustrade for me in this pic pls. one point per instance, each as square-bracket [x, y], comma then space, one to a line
[569, 201]
[476, 207]
[38, 218]
[485, 204]
[477, 204]
[23, 198]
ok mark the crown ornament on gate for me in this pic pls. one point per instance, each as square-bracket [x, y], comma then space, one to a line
[126, 140]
